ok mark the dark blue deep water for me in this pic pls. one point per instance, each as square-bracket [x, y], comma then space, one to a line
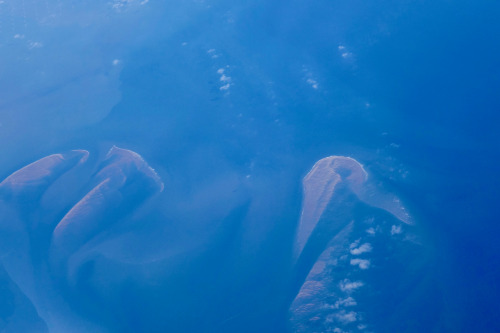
[232, 103]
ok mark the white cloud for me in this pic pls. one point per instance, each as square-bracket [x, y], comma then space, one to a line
[313, 83]
[371, 231]
[116, 62]
[213, 53]
[362, 263]
[349, 301]
[119, 4]
[225, 78]
[347, 285]
[366, 247]
[344, 52]
[354, 244]
[35, 45]
[347, 317]
[309, 78]
[396, 230]
[395, 145]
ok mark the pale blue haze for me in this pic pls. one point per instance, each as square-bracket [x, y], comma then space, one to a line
[217, 111]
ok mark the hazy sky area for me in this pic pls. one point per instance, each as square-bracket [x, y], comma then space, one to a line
[249, 166]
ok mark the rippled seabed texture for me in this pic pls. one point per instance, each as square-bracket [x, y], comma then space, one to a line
[265, 166]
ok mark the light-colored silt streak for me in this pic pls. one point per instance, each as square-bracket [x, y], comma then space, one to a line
[91, 214]
[338, 199]
[39, 175]
[319, 187]
[322, 182]
[127, 161]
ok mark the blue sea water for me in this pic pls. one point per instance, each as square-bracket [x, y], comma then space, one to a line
[232, 103]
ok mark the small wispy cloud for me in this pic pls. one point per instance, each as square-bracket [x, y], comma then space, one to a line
[313, 83]
[344, 53]
[119, 5]
[396, 230]
[213, 54]
[35, 45]
[365, 248]
[309, 78]
[371, 231]
[394, 145]
[349, 301]
[361, 263]
[348, 286]
[225, 79]
[347, 317]
[355, 243]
